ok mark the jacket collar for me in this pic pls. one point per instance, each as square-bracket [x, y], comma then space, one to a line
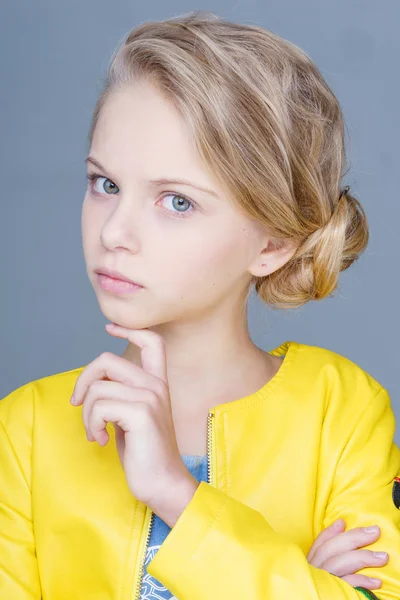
[289, 350]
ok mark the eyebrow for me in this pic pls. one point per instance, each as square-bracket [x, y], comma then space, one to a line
[159, 182]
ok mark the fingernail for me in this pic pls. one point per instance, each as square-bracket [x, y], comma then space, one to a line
[375, 581]
[381, 554]
[72, 399]
[338, 523]
[371, 529]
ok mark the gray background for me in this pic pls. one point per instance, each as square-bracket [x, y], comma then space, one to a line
[53, 57]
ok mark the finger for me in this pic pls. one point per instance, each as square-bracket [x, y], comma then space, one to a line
[104, 390]
[153, 355]
[113, 392]
[344, 542]
[112, 367]
[325, 535]
[351, 562]
[125, 414]
[370, 583]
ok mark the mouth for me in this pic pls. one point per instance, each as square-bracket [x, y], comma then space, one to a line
[116, 276]
[116, 283]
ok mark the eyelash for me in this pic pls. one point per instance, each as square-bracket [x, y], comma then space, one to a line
[93, 177]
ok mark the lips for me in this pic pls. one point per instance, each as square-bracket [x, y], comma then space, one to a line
[116, 275]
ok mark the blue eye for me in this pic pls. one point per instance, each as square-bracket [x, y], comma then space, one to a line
[93, 177]
[181, 206]
[182, 203]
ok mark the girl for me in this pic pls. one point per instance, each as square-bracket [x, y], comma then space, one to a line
[215, 167]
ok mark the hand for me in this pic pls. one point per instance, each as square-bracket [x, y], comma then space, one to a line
[334, 551]
[137, 401]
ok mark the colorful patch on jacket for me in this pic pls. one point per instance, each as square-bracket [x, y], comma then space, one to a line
[367, 593]
[396, 492]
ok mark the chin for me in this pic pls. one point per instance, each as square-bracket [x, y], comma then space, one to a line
[131, 319]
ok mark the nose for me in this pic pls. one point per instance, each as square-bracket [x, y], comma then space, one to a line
[120, 229]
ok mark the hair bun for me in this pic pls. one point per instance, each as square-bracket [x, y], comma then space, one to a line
[337, 244]
[313, 272]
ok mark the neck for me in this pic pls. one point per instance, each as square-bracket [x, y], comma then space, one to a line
[210, 361]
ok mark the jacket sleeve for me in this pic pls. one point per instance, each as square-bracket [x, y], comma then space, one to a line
[222, 549]
[19, 579]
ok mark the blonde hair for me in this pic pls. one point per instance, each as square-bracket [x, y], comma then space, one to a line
[266, 123]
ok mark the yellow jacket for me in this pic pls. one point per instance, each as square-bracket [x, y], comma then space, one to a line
[313, 444]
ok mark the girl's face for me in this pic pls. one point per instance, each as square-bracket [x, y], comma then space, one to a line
[190, 249]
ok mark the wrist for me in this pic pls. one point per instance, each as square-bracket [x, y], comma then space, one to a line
[174, 499]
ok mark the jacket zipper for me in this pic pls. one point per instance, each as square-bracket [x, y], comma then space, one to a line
[136, 595]
[210, 480]
[210, 448]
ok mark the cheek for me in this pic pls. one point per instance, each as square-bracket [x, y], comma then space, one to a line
[91, 220]
[209, 261]
[85, 227]
[86, 216]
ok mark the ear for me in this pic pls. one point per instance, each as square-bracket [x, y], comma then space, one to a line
[272, 257]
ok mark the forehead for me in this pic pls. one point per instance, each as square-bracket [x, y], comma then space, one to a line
[139, 128]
